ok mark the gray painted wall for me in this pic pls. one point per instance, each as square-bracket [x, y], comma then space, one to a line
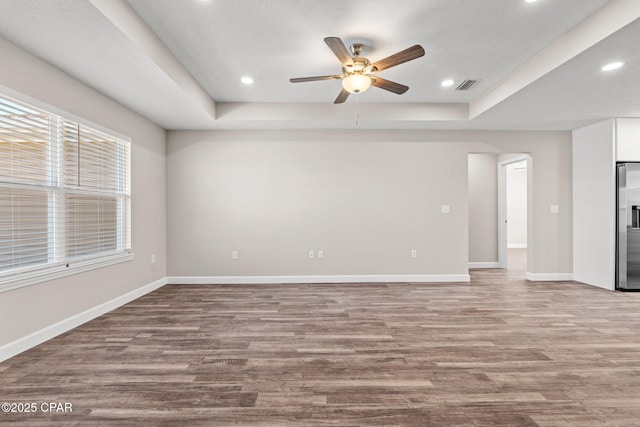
[29, 309]
[483, 208]
[365, 198]
[366, 205]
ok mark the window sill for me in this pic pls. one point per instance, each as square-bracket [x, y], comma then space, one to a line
[19, 280]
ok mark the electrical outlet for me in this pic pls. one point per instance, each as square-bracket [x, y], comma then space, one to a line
[445, 209]
[414, 254]
[320, 254]
[554, 209]
[234, 255]
[311, 255]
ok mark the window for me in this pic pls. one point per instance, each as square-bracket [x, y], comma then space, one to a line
[64, 196]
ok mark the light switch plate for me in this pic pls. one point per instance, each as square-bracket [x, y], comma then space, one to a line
[554, 209]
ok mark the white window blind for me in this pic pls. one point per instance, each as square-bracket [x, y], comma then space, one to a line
[64, 192]
[96, 180]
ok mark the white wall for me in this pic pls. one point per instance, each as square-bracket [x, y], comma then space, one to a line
[483, 210]
[627, 139]
[365, 198]
[594, 184]
[516, 174]
[27, 310]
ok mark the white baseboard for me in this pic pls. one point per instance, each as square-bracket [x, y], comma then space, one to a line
[29, 341]
[517, 246]
[549, 277]
[255, 280]
[494, 264]
[603, 283]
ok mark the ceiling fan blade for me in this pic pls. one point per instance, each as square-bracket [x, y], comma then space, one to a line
[398, 58]
[388, 85]
[316, 78]
[340, 50]
[341, 97]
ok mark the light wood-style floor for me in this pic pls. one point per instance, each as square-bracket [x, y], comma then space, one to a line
[499, 351]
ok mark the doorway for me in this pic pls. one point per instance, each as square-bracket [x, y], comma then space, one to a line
[513, 202]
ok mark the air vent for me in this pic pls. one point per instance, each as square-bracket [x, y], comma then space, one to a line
[467, 84]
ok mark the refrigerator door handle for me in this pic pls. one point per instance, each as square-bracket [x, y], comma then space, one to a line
[621, 247]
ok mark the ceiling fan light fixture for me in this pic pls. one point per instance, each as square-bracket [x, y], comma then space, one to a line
[356, 83]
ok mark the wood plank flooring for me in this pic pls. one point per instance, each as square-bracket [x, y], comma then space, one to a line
[499, 351]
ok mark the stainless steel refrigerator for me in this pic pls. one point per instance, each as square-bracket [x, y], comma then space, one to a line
[628, 227]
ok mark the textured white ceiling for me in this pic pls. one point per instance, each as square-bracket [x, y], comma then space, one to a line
[219, 41]
[274, 40]
[578, 92]
[76, 38]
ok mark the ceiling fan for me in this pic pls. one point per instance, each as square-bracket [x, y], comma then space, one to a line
[358, 73]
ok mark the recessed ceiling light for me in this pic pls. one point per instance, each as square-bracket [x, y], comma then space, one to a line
[530, 1]
[246, 80]
[447, 83]
[612, 66]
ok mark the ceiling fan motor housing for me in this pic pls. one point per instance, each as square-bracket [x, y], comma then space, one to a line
[357, 49]
[359, 66]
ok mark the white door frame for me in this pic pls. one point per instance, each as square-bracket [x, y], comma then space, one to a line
[502, 204]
